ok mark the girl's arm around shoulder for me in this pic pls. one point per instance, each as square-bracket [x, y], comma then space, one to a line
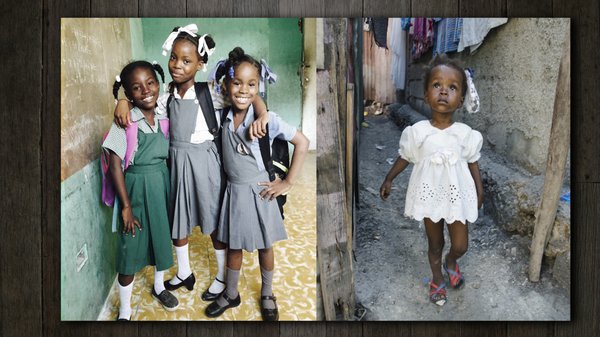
[258, 128]
[386, 186]
[278, 187]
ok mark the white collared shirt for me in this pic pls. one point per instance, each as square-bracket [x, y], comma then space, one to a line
[201, 132]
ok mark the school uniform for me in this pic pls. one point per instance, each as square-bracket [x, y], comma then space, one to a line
[197, 182]
[247, 221]
[148, 186]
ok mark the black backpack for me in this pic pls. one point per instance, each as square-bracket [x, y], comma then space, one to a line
[277, 162]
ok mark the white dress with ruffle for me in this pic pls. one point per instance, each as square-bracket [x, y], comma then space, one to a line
[441, 185]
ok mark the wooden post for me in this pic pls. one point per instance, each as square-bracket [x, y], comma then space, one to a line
[558, 150]
[333, 253]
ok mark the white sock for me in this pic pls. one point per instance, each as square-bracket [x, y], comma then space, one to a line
[125, 300]
[183, 264]
[159, 279]
[217, 287]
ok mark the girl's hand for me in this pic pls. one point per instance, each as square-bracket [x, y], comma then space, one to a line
[274, 188]
[479, 200]
[121, 114]
[129, 221]
[258, 128]
[385, 189]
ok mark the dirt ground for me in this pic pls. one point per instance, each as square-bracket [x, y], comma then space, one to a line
[391, 269]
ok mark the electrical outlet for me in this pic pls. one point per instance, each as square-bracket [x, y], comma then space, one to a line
[82, 257]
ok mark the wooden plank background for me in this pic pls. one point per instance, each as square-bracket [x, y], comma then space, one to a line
[30, 154]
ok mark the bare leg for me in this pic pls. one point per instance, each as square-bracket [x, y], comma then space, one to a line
[435, 238]
[459, 242]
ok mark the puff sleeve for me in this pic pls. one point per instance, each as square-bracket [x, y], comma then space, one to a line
[472, 148]
[407, 148]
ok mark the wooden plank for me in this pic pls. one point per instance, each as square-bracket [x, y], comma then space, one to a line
[308, 8]
[162, 8]
[114, 8]
[530, 329]
[532, 8]
[585, 25]
[210, 8]
[483, 329]
[341, 9]
[586, 251]
[436, 329]
[390, 329]
[256, 8]
[342, 329]
[252, 329]
[50, 146]
[482, 8]
[383, 8]
[302, 329]
[161, 330]
[558, 150]
[21, 206]
[216, 329]
[433, 8]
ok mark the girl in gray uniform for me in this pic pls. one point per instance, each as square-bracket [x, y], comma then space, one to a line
[250, 217]
[143, 189]
[196, 174]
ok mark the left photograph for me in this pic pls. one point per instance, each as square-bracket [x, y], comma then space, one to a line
[188, 169]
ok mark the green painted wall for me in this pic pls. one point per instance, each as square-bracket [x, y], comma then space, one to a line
[85, 221]
[277, 40]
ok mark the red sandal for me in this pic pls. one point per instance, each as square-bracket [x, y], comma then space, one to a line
[437, 294]
[457, 280]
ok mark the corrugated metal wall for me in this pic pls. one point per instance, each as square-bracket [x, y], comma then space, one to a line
[377, 65]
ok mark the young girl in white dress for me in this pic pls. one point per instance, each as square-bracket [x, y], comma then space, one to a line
[445, 185]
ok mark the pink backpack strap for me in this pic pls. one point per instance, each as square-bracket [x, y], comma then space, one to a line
[164, 127]
[131, 133]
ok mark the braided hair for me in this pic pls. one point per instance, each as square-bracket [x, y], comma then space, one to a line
[236, 57]
[124, 79]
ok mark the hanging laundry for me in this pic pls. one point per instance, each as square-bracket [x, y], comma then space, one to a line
[380, 28]
[474, 31]
[421, 32]
[447, 35]
[398, 47]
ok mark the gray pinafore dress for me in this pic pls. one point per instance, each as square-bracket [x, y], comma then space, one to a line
[147, 185]
[246, 221]
[197, 181]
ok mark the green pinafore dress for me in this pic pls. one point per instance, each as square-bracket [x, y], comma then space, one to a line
[148, 184]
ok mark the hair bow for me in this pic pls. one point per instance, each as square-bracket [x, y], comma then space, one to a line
[266, 74]
[191, 30]
[471, 98]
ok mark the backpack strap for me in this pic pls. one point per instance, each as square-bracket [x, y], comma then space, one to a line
[265, 153]
[168, 104]
[131, 133]
[164, 127]
[208, 110]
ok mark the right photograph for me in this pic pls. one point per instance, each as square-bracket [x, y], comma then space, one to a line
[452, 197]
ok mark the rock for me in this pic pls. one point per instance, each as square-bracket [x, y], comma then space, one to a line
[561, 271]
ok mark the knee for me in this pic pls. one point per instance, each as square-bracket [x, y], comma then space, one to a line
[460, 249]
[436, 248]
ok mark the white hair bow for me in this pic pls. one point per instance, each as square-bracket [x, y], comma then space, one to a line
[471, 98]
[192, 30]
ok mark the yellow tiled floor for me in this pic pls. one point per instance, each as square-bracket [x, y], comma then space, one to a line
[294, 279]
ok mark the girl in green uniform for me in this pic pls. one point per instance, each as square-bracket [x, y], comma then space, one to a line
[143, 188]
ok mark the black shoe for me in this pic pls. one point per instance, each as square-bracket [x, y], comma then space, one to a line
[269, 315]
[215, 310]
[208, 296]
[168, 300]
[188, 283]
